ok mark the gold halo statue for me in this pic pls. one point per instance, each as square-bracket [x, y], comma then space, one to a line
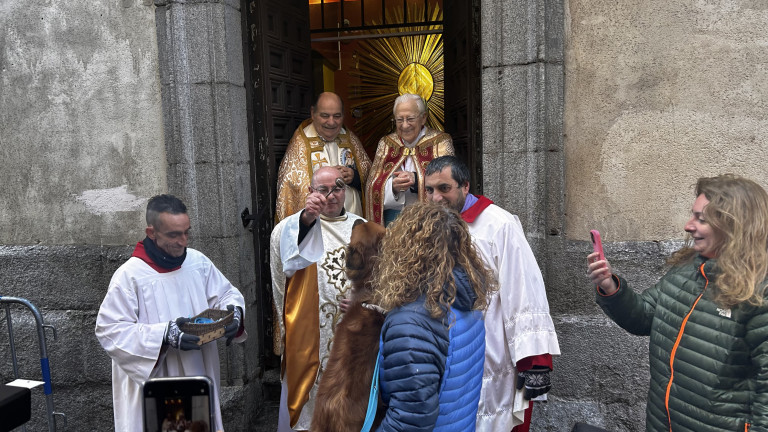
[416, 79]
[391, 66]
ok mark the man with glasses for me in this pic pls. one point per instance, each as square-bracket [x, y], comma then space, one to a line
[396, 178]
[321, 141]
[520, 337]
[308, 283]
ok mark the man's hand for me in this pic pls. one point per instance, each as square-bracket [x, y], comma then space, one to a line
[175, 338]
[231, 330]
[536, 381]
[402, 181]
[314, 205]
[347, 173]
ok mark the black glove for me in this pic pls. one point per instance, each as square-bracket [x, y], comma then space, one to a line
[535, 380]
[230, 331]
[175, 338]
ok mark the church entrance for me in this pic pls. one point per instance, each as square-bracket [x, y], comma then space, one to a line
[369, 52]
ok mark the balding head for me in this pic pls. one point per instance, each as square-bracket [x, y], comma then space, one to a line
[328, 115]
[325, 172]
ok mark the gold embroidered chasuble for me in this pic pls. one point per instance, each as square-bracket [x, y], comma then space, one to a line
[391, 154]
[307, 152]
[308, 282]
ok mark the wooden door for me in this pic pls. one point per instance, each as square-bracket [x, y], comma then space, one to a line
[461, 36]
[278, 66]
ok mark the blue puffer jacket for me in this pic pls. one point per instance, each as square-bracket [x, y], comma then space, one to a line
[430, 375]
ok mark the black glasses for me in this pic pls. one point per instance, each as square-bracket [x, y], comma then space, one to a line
[325, 191]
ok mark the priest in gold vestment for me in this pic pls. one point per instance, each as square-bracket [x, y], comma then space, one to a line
[308, 252]
[396, 178]
[321, 141]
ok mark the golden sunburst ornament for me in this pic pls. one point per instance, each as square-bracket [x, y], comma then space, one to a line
[416, 79]
[391, 66]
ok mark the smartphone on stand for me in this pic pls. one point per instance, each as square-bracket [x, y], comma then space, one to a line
[597, 244]
[178, 403]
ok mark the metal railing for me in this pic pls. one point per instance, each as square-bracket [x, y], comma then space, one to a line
[6, 302]
[408, 22]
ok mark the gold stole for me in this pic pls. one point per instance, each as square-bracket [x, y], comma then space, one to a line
[301, 359]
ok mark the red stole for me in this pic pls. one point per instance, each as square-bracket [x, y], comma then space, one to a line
[469, 215]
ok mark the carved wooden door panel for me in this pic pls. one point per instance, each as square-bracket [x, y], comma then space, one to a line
[461, 35]
[278, 74]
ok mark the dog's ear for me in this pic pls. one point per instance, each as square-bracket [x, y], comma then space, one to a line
[379, 231]
[357, 222]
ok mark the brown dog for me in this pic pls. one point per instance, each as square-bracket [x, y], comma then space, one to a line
[342, 397]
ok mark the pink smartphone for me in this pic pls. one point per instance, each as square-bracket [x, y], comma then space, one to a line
[597, 244]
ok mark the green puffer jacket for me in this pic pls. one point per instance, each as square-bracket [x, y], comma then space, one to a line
[709, 365]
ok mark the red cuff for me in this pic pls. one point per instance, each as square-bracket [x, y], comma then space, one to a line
[602, 293]
[528, 363]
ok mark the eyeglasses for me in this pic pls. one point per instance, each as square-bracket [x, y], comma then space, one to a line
[408, 120]
[443, 188]
[325, 191]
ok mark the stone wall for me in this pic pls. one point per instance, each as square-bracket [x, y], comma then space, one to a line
[601, 116]
[594, 116]
[103, 105]
[82, 150]
[659, 94]
[82, 145]
[206, 137]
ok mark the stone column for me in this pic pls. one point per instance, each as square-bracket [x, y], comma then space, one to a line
[206, 139]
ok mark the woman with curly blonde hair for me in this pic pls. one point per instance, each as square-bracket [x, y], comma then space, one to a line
[707, 317]
[737, 211]
[434, 285]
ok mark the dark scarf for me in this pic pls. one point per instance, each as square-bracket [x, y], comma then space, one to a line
[160, 258]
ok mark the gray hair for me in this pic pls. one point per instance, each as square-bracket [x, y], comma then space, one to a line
[420, 104]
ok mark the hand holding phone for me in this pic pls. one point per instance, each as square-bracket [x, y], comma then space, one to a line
[597, 244]
[600, 275]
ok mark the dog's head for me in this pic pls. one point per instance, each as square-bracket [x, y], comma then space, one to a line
[363, 247]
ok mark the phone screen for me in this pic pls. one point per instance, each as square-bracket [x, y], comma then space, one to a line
[177, 404]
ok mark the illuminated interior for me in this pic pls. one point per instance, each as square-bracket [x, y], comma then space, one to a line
[371, 51]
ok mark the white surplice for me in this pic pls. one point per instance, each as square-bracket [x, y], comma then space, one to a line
[324, 244]
[131, 325]
[517, 322]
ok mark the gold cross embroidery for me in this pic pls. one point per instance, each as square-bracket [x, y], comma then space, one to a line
[318, 161]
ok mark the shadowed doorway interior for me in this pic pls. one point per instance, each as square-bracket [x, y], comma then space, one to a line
[369, 52]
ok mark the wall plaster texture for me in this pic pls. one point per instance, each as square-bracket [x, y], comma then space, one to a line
[598, 116]
[103, 105]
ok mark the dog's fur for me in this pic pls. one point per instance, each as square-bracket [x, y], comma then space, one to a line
[342, 397]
